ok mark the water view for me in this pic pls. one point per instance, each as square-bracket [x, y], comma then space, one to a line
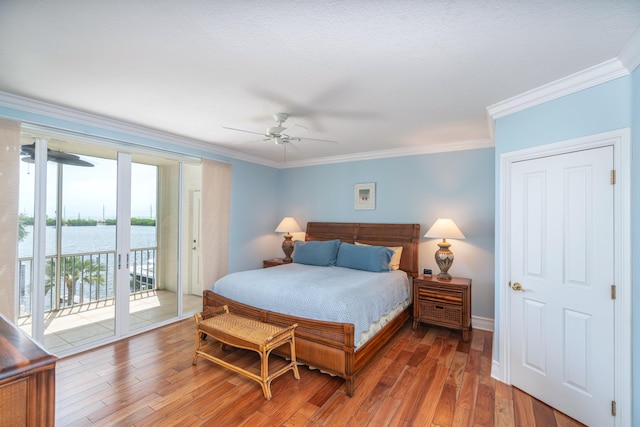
[87, 264]
[87, 239]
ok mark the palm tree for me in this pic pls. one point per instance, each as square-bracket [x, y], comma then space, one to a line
[74, 269]
[23, 220]
[22, 232]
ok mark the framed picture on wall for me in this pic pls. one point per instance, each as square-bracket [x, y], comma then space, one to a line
[365, 196]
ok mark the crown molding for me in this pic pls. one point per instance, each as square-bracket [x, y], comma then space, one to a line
[626, 62]
[630, 54]
[399, 152]
[585, 79]
[129, 132]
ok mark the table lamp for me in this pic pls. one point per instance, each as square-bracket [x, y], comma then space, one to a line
[288, 225]
[444, 229]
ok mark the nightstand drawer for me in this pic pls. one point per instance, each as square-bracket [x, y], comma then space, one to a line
[441, 312]
[439, 296]
[443, 302]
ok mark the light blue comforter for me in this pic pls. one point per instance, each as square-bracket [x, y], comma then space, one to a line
[334, 294]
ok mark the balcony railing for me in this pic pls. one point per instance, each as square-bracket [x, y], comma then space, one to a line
[74, 279]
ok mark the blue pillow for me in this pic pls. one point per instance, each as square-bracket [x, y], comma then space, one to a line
[368, 258]
[315, 252]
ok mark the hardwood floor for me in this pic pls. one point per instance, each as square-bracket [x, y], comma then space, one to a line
[428, 377]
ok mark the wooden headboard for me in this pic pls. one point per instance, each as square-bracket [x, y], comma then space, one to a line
[405, 235]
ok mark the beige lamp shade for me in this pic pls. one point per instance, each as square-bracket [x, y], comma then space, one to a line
[444, 229]
[288, 225]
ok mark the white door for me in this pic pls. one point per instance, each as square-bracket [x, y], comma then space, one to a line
[561, 273]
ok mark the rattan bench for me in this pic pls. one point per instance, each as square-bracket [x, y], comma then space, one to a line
[242, 332]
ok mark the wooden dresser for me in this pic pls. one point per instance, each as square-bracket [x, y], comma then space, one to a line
[27, 379]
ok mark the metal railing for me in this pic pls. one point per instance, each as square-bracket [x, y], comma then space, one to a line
[142, 268]
[82, 278]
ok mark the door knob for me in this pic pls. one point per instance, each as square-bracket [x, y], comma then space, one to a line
[517, 287]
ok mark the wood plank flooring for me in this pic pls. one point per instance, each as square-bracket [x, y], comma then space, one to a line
[428, 377]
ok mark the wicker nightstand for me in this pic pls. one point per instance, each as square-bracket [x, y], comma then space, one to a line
[443, 303]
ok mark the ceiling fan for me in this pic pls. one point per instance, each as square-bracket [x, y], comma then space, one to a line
[53, 156]
[277, 135]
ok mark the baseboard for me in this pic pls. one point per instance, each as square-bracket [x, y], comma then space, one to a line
[496, 371]
[483, 323]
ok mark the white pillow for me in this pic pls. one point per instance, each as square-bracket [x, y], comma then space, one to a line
[394, 264]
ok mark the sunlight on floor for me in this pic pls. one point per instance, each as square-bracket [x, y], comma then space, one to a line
[81, 325]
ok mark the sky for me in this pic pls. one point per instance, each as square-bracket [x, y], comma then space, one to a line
[90, 192]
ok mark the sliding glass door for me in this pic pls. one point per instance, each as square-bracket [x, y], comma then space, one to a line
[111, 223]
[80, 248]
[154, 249]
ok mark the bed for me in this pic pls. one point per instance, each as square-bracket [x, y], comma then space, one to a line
[330, 346]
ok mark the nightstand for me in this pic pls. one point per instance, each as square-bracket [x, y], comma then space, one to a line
[443, 303]
[273, 262]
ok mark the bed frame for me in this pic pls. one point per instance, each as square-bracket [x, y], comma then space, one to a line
[329, 346]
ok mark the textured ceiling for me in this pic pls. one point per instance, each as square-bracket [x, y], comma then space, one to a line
[373, 75]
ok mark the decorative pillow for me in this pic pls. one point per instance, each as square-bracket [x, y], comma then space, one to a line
[315, 252]
[368, 258]
[394, 264]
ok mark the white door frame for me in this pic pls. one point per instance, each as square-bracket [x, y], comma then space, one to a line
[621, 140]
[123, 245]
[195, 271]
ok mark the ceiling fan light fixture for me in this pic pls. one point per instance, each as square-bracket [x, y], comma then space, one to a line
[275, 133]
[280, 117]
[275, 130]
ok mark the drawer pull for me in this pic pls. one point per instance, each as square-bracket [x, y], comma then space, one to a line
[439, 307]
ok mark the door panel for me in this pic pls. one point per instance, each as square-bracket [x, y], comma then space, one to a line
[562, 258]
[577, 329]
[535, 345]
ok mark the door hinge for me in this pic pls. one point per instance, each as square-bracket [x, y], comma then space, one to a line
[613, 176]
[613, 408]
[613, 291]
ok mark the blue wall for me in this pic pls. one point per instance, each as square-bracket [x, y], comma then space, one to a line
[254, 215]
[413, 189]
[606, 107]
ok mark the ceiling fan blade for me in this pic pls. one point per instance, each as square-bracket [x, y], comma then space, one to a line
[247, 131]
[53, 156]
[316, 140]
[251, 142]
[28, 150]
[74, 162]
[292, 145]
[60, 157]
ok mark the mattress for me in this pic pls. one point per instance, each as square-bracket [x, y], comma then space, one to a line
[336, 294]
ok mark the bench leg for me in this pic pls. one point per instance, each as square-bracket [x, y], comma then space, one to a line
[264, 374]
[294, 361]
[197, 346]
